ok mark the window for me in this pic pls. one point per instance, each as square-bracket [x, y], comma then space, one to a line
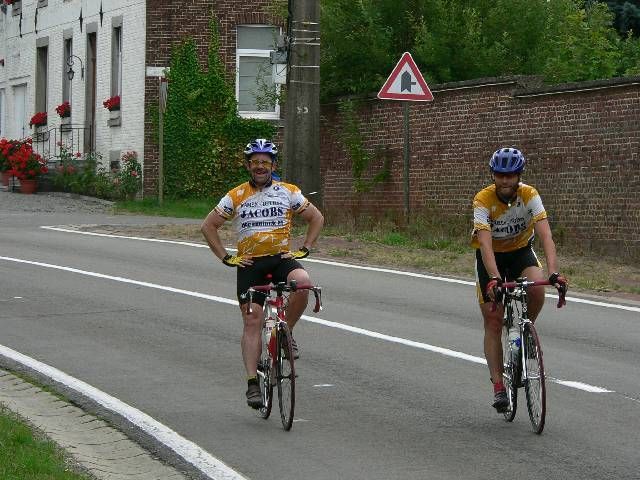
[255, 90]
[116, 61]
[66, 83]
[2, 126]
[42, 55]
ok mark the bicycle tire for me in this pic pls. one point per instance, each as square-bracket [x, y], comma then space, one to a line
[265, 377]
[535, 379]
[285, 376]
[510, 374]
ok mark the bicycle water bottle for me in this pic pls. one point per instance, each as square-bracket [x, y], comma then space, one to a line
[514, 342]
[270, 337]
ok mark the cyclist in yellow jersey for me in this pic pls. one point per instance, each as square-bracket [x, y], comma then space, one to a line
[262, 210]
[506, 217]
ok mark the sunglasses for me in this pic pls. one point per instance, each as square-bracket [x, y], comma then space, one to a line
[260, 163]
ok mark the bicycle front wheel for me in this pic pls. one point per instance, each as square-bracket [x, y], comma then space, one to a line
[265, 378]
[534, 382]
[510, 375]
[285, 376]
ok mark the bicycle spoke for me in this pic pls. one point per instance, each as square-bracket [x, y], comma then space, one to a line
[535, 380]
[285, 376]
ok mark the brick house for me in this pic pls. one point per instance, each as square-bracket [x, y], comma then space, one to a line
[116, 48]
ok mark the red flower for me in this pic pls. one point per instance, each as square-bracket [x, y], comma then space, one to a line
[38, 119]
[24, 163]
[112, 103]
[9, 2]
[64, 110]
[78, 154]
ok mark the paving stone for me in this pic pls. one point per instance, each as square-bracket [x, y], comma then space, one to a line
[101, 449]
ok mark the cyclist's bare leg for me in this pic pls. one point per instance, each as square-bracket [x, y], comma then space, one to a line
[250, 342]
[493, 339]
[535, 295]
[297, 300]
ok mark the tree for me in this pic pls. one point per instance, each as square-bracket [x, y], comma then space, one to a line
[627, 16]
[454, 40]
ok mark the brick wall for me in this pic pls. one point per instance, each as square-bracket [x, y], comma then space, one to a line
[168, 24]
[582, 143]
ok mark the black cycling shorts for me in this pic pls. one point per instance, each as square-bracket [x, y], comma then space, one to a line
[510, 265]
[256, 274]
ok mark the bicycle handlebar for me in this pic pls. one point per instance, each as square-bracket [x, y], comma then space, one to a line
[283, 287]
[524, 284]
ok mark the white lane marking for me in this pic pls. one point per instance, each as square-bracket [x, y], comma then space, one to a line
[348, 265]
[188, 450]
[94, 234]
[324, 385]
[582, 386]
[319, 321]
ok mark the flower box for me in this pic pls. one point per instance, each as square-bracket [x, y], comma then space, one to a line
[112, 104]
[64, 110]
[38, 120]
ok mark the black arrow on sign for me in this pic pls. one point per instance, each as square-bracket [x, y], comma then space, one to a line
[406, 82]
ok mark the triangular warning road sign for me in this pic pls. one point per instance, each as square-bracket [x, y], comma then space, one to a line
[406, 82]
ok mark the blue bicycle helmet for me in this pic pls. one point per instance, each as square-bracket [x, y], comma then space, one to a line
[507, 160]
[260, 145]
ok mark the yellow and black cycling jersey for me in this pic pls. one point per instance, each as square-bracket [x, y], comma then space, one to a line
[511, 225]
[262, 217]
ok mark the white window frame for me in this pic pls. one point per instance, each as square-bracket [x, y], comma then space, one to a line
[262, 53]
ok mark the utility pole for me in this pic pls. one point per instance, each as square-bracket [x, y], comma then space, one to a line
[302, 122]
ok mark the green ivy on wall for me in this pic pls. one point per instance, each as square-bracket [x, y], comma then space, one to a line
[203, 134]
[351, 137]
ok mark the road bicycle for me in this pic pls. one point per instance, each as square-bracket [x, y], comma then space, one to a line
[276, 363]
[522, 353]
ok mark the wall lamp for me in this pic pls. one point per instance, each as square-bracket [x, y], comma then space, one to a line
[70, 72]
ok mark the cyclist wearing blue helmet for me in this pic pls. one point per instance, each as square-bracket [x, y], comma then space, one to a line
[262, 211]
[506, 217]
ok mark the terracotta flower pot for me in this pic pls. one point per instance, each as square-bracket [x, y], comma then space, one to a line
[28, 186]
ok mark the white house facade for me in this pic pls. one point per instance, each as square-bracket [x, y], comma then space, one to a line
[79, 51]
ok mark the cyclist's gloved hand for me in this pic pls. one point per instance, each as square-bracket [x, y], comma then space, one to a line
[302, 253]
[232, 260]
[560, 283]
[494, 289]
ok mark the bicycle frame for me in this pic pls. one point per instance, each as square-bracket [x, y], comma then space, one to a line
[516, 309]
[276, 363]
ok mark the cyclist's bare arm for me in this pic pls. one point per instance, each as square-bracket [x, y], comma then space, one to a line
[315, 221]
[543, 232]
[486, 250]
[209, 229]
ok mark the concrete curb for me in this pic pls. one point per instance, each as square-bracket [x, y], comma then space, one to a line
[99, 448]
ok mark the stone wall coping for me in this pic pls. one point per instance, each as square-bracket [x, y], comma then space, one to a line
[525, 86]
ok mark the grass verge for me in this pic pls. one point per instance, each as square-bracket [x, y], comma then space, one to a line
[25, 454]
[428, 245]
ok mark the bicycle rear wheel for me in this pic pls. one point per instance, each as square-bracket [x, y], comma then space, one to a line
[535, 381]
[285, 376]
[510, 375]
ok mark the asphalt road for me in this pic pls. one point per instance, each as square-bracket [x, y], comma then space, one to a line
[367, 407]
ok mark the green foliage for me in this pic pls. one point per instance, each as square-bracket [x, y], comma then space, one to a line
[453, 40]
[129, 178]
[203, 134]
[627, 16]
[351, 138]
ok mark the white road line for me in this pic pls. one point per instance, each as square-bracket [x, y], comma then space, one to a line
[316, 320]
[192, 453]
[348, 265]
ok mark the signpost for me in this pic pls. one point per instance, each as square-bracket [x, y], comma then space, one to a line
[406, 83]
[162, 106]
